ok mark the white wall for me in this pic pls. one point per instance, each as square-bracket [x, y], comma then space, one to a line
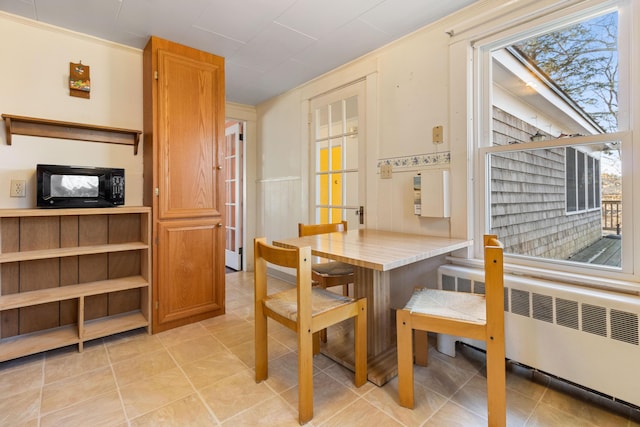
[34, 83]
[407, 95]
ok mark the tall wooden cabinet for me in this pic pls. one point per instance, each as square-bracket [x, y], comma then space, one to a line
[183, 181]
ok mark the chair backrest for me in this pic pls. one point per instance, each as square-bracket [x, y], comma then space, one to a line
[494, 282]
[312, 229]
[298, 259]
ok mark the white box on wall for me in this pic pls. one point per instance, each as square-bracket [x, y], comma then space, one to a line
[434, 196]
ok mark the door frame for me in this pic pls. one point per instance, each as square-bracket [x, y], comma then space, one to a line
[248, 115]
[367, 70]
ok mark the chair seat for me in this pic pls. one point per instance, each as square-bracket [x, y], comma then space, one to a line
[332, 268]
[457, 305]
[285, 303]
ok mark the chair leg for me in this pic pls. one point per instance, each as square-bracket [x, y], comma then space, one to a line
[305, 377]
[261, 345]
[496, 383]
[421, 347]
[323, 335]
[361, 343]
[316, 342]
[405, 358]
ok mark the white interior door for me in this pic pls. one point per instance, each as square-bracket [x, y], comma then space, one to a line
[233, 203]
[337, 156]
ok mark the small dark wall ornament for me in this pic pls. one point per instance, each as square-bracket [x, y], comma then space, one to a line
[79, 80]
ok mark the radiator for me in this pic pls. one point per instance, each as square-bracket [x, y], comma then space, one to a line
[586, 336]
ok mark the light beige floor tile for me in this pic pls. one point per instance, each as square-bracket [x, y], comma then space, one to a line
[184, 333]
[546, 416]
[442, 377]
[526, 381]
[143, 366]
[236, 334]
[132, 346]
[76, 389]
[220, 323]
[426, 403]
[20, 408]
[283, 372]
[102, 410]
[589, 411]
[246, 351]
[154, 392]
[234, 394]
[207, 371]
[473, 396]
[361, 414]
[189, 411]
[452, 415]
[271, 412]
[329, 397]
[346, 378]
[31, 361]
[21, 379]
[467, 358]
[198, 348]
[64, 365]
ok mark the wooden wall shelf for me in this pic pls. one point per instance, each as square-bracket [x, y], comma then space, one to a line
[19, 125]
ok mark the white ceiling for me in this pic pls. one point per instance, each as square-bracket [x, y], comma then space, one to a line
[270, 46]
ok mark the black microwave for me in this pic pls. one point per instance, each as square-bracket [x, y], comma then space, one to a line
[60, 186]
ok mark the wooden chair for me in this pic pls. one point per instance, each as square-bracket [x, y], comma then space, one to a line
[331, 273]
[305, 309]
[461, 314]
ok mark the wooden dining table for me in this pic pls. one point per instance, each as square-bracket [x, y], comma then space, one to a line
[375, 254]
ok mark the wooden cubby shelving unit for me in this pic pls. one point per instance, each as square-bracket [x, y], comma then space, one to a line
[68, 276]
[31, 126]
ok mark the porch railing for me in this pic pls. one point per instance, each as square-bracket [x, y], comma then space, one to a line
[612, 215]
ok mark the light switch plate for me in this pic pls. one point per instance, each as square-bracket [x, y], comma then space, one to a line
[437, 135]
[386, 171]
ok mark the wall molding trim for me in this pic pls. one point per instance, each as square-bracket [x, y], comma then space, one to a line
[417, 160]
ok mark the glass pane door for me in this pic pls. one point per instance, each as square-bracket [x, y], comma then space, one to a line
[337, 155]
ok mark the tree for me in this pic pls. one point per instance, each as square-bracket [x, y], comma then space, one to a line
[583, 61]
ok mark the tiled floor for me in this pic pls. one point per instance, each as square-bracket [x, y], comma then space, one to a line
[201, 375]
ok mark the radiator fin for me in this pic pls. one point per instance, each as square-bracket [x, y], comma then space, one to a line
[567, 313]
[520, 302]
[464, 285]
[448, 283]
[506, 299]
[594, 319]
[542, 307]
[479, 288]
[624, 326]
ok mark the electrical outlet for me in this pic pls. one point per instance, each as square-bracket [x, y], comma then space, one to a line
[18, 188]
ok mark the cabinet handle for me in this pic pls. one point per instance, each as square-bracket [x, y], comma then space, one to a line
[219, 167]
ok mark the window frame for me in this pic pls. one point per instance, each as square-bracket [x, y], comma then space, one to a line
[482, 131]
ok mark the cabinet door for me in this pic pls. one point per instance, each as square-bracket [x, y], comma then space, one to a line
[190, 254]
[190, 118]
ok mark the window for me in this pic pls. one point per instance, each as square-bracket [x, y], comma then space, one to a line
[551, 164]
[582, 181]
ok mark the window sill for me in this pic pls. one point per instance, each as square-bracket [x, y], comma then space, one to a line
[582, 280]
